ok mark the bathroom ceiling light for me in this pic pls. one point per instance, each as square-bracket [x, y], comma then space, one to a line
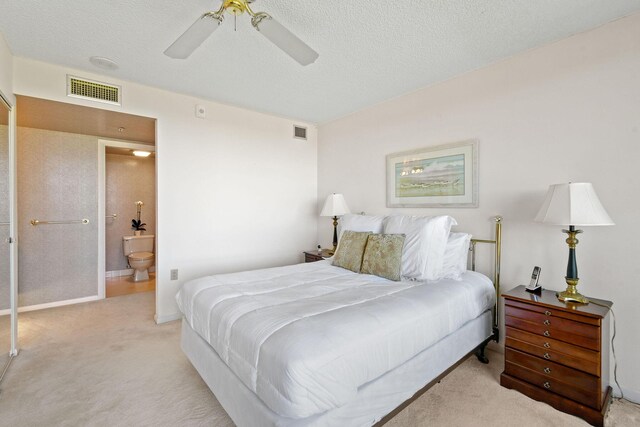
[142, 153]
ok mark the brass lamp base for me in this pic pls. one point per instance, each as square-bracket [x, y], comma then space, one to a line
[571, 294]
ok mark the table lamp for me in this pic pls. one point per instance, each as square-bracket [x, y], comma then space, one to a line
[335, 206]
[572, 204]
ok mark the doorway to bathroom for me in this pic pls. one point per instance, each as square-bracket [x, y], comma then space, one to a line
[127, 200]
[60, 204]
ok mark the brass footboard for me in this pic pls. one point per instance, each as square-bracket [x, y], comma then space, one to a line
[497, 242]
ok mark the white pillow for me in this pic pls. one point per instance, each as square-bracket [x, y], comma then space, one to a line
[424, 244]
[456, 256]
[353, 222]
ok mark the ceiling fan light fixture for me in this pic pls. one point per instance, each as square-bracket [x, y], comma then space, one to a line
[195, 35]
[277, 34]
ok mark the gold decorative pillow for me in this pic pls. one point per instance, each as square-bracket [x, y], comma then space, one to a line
[350, 250]
[383, 256]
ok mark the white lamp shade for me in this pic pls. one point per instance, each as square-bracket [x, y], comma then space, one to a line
[335, 205]
[573, 204]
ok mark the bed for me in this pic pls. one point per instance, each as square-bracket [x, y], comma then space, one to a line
[319, 345]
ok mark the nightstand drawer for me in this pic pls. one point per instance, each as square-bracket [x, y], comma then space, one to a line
[557, 351]
[315, 255]
[577, 379]
[550, 311]
[312, 258]
[565, 334]
[589, 398]
[557, 323]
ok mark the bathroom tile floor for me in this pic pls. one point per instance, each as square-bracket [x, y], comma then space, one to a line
[124, 285]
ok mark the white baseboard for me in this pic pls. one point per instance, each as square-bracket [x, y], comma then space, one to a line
[118, 273]
[125, 272]
[630, 395]
[51, 304]
[167, 318]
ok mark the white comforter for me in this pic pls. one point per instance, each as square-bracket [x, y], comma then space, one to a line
[305, 337]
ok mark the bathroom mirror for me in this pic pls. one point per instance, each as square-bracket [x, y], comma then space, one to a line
[5, 277]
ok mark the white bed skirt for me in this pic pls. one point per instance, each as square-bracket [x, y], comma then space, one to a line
[374, 399]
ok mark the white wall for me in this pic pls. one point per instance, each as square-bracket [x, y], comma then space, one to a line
[235, 190]
[569, 111]
[6, 71]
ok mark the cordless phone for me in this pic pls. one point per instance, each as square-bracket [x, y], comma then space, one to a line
[535, 277]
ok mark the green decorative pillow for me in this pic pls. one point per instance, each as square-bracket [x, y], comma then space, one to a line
[383, 256]
[350, 250]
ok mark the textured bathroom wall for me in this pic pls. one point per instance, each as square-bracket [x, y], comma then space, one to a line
[128, 179]
[4, 216]
[57, 180]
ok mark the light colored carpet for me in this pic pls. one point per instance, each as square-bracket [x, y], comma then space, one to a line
[108, 364]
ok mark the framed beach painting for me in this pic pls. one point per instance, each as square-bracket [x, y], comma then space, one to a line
[439, 176]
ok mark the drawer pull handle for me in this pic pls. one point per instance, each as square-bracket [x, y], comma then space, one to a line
[547, 313]
[547, 345]
[546, 356]
[546, 333]
[547, 322]
[546, 385]
[547, 370]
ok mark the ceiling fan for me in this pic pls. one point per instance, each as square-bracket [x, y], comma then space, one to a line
[206, 24]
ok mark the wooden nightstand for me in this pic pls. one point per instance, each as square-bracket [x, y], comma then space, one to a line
[312, 256]
[558, 353]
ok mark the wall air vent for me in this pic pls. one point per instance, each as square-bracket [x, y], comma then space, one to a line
[92, 90]
[299, 132]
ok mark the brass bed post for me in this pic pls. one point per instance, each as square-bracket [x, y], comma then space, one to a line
[497, 241]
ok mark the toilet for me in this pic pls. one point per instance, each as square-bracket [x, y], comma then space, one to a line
[139, 251]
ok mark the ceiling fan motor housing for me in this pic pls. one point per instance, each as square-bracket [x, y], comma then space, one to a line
[237, 7]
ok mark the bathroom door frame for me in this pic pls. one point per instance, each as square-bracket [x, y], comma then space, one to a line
[102, 217]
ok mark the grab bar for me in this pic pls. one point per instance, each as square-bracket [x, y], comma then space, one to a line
[5, 223]
[35, 222]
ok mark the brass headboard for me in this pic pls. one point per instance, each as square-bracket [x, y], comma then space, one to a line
[497, 242]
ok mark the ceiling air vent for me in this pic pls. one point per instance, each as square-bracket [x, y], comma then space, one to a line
[299, 132]
[95, 91]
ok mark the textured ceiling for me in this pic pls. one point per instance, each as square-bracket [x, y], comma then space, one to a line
[370, 51]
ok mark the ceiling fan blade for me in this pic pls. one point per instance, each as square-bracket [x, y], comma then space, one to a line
[194, 36]
[285, 40]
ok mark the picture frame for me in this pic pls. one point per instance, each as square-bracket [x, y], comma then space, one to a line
[439, 176]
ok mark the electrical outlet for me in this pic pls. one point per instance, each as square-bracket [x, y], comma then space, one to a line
[174, 274]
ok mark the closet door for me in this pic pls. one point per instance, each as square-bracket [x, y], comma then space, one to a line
[5, 246]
